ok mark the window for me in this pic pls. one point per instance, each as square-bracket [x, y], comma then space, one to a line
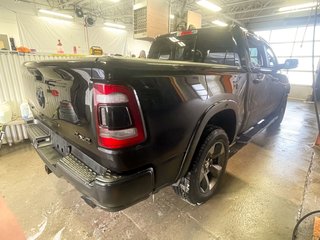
[283, 35]
[173, 48]
[271, 58]
[255, 57]
[282, 49]
[222, 57]
[218, 50]
[295, 42]
[255, 53]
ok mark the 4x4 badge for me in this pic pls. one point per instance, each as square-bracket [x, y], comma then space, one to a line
[83, 138]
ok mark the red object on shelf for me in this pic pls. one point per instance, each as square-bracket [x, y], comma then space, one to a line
[55, 93]
[60, 47]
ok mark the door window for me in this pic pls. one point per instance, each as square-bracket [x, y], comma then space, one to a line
[256, 53]
[255, 57]
[271, 58]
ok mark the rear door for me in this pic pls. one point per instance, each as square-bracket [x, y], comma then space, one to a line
[265, 91]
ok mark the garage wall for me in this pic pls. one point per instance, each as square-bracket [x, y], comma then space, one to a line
[11, 81]
[112, 41]
[42, 33]
[8, 24]
[20, 20]
[294, 41]
[135, 46]
[300, 92]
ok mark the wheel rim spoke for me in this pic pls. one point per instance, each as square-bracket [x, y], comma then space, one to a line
[218, 150]
[212, 167]
[215, 169]
[205, 183]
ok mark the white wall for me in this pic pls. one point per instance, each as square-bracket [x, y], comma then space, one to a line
[42, 33]
[300, 92]
[134, 46]
[8, 24]
[112, 41]
[20, 20]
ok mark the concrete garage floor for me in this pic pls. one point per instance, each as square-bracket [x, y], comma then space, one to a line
[270, 183]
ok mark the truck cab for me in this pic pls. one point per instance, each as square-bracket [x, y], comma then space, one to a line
[120, 129]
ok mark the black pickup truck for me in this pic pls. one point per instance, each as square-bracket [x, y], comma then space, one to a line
[120, 129]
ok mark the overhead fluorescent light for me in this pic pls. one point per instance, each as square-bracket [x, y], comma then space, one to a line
[294, 11]
[56, 14]
[305, 6]
[219, 23]
[114, 25]
[209, 5]
[171, 16]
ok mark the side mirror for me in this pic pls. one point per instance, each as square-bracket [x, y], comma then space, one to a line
[288, 64]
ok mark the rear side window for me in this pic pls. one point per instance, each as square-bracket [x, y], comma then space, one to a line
[217, 47]
[173, 48]
[207, 45]
[222, 57]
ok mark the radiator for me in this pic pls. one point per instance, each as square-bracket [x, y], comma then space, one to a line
[14, 132]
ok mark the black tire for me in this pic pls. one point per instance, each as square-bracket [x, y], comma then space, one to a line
[207, 169]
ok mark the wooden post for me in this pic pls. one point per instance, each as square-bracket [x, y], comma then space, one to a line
[316, 228]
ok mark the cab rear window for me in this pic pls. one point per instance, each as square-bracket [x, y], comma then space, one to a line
[208, 46]
[173, 48]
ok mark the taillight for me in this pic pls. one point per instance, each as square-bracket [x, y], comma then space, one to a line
[187, 32]
[119, 121]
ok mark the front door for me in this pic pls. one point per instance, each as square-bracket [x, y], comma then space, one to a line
[265, 90]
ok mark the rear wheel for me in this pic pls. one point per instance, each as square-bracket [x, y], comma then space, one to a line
[207, 170]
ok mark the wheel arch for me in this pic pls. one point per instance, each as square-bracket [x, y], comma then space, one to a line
[224, 114]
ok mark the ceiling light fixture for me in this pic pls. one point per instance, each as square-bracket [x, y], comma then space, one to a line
[114, 25]
[219, 23]
[209, 5]
[171, 16]
[305, 6]
[56, 14]
[294, 11]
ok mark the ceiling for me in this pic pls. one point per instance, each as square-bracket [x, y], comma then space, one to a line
[243, 12]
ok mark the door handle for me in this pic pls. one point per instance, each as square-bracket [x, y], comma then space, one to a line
[259, 78]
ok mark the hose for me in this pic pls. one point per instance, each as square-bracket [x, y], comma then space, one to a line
[300, 220]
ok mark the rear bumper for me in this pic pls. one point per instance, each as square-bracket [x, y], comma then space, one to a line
[107, 190]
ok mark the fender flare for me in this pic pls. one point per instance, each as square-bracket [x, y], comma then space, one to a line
[210, 112]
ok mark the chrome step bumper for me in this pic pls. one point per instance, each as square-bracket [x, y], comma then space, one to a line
[73, 165]
[99, 186]
[37, 134]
